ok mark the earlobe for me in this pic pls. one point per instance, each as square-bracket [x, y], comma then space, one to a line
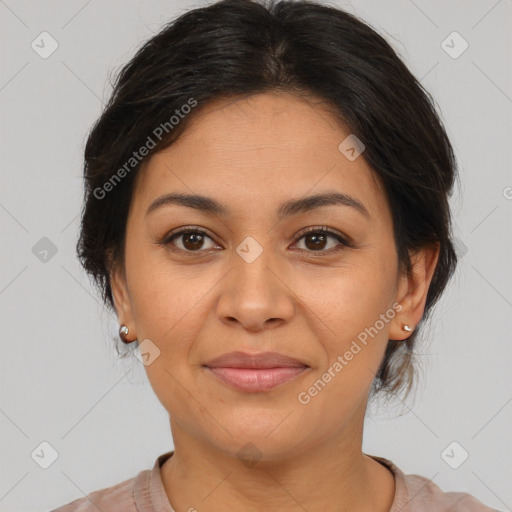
[121, 298]
[412, 291]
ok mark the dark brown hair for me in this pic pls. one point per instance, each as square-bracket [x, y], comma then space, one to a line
[236, 48]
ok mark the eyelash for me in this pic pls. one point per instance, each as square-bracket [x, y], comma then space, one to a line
[320, 230]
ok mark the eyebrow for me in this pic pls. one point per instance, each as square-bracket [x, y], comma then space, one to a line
[287, 209]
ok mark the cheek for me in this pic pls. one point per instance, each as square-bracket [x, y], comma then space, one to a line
[164, 297]
[349, 329]
[170, 309]
[352, 318]
[348, 299]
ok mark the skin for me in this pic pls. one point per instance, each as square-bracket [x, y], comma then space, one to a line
[251, 155]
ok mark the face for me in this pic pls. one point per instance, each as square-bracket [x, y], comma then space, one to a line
[254, 281]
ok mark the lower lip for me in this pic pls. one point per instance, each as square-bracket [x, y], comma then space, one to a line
[254, 380]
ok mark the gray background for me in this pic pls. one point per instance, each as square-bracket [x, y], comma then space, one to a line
[60, 379]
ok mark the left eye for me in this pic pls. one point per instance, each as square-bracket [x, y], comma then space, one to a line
[319, 237]
[192, 240]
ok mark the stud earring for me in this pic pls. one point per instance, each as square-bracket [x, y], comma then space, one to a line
[406, 328]
[123, 331]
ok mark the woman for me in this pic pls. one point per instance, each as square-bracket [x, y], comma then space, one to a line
[267, 213]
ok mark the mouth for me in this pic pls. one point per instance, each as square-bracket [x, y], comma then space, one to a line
[255, 372]
[255, 380]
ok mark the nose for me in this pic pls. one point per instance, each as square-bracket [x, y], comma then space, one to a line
[256, 295]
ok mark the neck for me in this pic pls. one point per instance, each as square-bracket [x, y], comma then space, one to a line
[329, 476]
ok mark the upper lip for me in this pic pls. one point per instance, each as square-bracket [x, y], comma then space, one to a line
[260, 360]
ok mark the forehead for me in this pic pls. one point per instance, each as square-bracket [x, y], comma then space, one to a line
[259, 150]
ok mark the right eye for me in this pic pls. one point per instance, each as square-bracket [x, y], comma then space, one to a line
[192, 240]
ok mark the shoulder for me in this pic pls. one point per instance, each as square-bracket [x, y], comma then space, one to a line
[118, 498]
[415, 493]
[143, 493]
[425, 494]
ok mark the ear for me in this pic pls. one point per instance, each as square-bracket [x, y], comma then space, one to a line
[122, 300]
[412, 291]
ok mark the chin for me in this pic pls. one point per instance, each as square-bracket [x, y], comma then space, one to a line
[266, 441]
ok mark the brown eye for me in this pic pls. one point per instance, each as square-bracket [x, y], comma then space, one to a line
[192, 240]
[316, 240]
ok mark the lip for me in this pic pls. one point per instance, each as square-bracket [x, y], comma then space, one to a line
[258, 360]
[255, 372]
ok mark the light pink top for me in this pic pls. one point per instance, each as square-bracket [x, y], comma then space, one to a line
[146, 493]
